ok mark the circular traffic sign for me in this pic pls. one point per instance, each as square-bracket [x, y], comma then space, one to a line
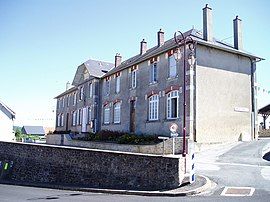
[173, 127]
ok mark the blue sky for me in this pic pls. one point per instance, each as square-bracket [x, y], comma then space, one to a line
[43, 42]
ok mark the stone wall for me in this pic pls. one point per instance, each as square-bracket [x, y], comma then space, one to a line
[55, 165]
[55, 139]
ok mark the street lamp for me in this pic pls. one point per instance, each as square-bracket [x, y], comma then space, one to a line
[188, 43]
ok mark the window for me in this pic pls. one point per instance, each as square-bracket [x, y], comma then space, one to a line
[133, 79]
[62, 120]
[172, 104]
[74, 118]
[63, 102]
[153, 108]
[89, 115]
[172, 67]
[68, 97]
[74, 98]
[58, 120]
[90, 90]
[117, 84]
[153, 73]
[58, 103]
[81, 93]
[117, 112]
[79, 117]
[107, 114]
[107, 87]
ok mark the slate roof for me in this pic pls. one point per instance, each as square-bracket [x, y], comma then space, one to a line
[170, 44]
[33, 130]
[66, 92]
[95, 68]
[6, 110]
[265, 110]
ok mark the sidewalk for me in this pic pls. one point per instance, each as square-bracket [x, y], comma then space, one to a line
[201, 184]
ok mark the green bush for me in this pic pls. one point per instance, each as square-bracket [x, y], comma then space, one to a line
[120, 137]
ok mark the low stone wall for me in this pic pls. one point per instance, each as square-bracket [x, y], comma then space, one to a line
[57, 139]
[55, 165]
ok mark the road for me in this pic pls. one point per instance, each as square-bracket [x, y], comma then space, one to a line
[238, 165]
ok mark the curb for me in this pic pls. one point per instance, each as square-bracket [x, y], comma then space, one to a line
[170, 193]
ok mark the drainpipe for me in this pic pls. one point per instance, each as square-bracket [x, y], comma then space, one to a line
[253, 99]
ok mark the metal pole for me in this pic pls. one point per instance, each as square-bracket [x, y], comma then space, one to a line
[173, 145]
[184, 104]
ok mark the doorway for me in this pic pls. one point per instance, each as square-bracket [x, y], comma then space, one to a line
[132, 116]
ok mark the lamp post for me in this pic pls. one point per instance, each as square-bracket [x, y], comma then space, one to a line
[186, 42]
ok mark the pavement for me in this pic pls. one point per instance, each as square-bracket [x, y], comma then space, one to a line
[200, 185]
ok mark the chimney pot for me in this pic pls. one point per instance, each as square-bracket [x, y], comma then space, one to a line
[207, 23]
[143, 47]
[237, 33]
[160, 37]
[117, 59]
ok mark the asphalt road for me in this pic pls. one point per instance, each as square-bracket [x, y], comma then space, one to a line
[238, 165]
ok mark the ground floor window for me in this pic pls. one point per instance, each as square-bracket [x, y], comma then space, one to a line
[153, 108]
[106, 114]
[89, 115]
[117, 112]
[172, 104]
[73, 118]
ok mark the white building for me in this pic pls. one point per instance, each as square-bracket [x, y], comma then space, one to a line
[6, 123]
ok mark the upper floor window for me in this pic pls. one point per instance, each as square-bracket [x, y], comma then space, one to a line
[117, 112]
[172, 67]
[153, 108]
[117, 84]
[81, 93]
[153, 73]
[63, 102]
[133, 78]
[74, 98]
[58, 103]
[68, 98]
[107, 87]
[90, 90]
[172, 104]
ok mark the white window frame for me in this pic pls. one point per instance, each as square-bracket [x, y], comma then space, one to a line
[153, 72]
[74, 118]
[153, 108]
[117, 112]
[134, 78]
[90, 90]
[68, 98]
[106, 114]
[81, 93]
[74, 99]
[58, 120]
[172, 67]
[89, 114]
[117, 84]
[62, 120]
[107, 87]
[172, 95]
[63, 102]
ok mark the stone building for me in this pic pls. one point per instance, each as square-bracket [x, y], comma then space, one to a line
[144, 94]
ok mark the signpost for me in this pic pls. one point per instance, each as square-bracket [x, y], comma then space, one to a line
[174, 134]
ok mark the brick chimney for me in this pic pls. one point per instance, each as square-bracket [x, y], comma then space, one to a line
[237, 33]
[160, 37]
[117, 59]
[207, 24]
[143, 47]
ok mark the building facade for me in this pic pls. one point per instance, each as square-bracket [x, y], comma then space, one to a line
[6, 123]
[144, 94]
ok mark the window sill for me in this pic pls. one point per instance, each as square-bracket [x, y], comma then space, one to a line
[171, 119]
[153, 83]
[119, 123]
[172, 78]
[105, 124]
[152, 121]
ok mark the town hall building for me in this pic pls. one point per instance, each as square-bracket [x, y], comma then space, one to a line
[145, 93]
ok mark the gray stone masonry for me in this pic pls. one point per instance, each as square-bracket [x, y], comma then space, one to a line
[88, 168]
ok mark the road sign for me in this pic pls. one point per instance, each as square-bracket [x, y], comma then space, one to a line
[173, 127]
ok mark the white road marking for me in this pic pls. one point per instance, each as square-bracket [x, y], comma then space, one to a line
[265, 172]
[233, 164]
[248, 188]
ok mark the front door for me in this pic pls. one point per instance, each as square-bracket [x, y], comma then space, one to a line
[84, 120]
[67, 122]
[132, 116]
